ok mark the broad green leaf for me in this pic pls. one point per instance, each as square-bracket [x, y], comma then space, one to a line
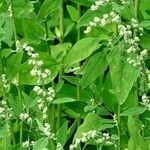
[15, 105]
[69, 90]
[13, 66]
[60, 50]
[109, 98]
[144, 7]
[62, 134]
[16, 147]
[63, 100]
[120, 72]
[133, 111]
[49, 63]
[81, 50]
[73, 12]
[27, 100]
[41, 144]
[22, 8]
[48, 7]
[96, 65]
[33, 31]
[89, 15]
[145, 24]
[40, 126]
[72, 79]
[92, 122]
[136, 140]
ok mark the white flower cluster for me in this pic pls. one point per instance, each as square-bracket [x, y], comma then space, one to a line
[100, 138]
[47, 131]
[125, 2]
[27, 144]
[115, 118]
[25, 117]
[98, 4]
[106, 19]
[48, 94]
[146, 102]
[139, 60]
[105, 139]
[132, 43]
[4, 81]
[37, 64]
[85, 137]
[15, 82]
[43, 108]
[18, 46]
[59, 146]
[2, 113]
[148, 77]
[5, 111]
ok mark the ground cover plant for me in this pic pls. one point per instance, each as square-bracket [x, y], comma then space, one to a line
[74, 75]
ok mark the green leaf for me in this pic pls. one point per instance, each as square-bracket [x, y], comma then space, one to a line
[133, 111]
[15, 105]
[49, 63]
[72, 79]
[136, 140]
[41, 144]
[13, 66]
[145, 24]
[73, 12]
[89, 15]
[63, 100]
[62, 134]
[60, 50]
[82, 49]
[27, 100]
[48, 7]
[33, 31]
[92, 122]
[120, 72]
[96, 65]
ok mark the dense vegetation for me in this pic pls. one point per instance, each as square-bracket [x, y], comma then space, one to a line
[74, 74]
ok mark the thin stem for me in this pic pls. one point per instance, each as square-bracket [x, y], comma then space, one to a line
[119, 128]
[136, 7]
[12, 134]
[47, 35]
[78, 38]
[14, 26]
[61, 26]
[21, 131]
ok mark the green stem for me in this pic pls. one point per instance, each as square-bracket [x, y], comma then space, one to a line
[78, 38]
[119, 128]
[61, 21]
[21, 131]
[47, 35]
[61, 26]
[12, 134]
[136, 7]
[14, 25]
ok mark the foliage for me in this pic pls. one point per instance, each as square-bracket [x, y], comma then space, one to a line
[74, 75]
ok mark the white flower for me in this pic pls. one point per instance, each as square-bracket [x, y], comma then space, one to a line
[2, 109]
[88, 29]
[26, 144]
